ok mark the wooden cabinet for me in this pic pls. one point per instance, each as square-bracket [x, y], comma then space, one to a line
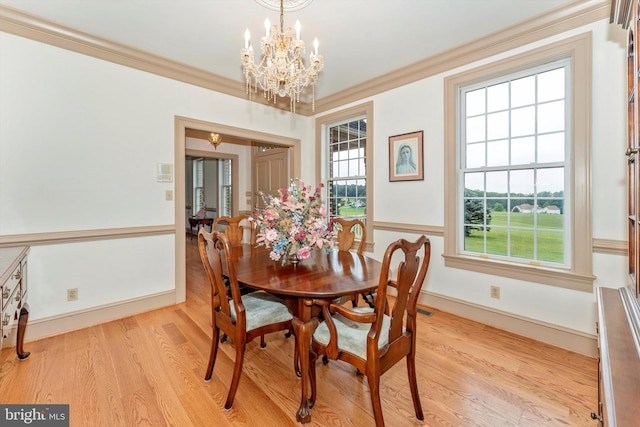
[619, 309]
[13, 291]
[619, 357]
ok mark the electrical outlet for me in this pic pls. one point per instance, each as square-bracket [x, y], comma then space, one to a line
[495, 292]
[72, 294]
[168, 195]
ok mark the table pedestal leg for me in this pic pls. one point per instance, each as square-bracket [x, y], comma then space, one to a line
[303, 332]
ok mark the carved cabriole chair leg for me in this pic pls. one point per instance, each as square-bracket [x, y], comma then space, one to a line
[374, 390]
[237, 370]
[213, 354]
[413, 384]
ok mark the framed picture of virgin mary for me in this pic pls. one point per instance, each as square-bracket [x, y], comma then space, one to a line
[406, 157]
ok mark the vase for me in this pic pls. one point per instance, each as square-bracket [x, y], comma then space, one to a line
[291, 259]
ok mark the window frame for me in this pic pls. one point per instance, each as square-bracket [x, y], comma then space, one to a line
[535, 166]
[322, 125]
[579, 276]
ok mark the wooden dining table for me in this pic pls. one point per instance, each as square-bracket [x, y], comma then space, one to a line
[327, 274]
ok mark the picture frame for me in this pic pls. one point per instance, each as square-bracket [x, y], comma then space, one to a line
[406, 158]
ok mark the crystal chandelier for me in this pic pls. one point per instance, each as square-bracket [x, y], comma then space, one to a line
[281, 72]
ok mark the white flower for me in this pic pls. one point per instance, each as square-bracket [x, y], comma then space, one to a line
[271, 235]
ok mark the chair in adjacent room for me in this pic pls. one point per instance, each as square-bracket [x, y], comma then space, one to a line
[370, 339]
[241, 317]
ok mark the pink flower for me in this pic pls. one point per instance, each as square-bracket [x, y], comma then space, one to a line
[304, 252]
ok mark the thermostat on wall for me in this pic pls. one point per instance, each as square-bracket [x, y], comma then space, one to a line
[165, 172]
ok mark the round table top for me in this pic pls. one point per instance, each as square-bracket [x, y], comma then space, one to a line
[327, 273]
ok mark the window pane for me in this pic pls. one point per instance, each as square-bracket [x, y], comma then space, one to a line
[521, 182]
[551, 85]
[523, 121]
[521, 246]
[474, 241]
[550, 181]
[497, 182]
[475, 129]
[523, 91]
[498, 125]
[550, 246]
[551, 117]
[551, 148]
[474, 181]
[475, 102]
[475, 155]
[497, 240]
[498, 153]
[523, 151]
[497, 97]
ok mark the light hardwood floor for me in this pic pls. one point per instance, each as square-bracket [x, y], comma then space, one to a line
[148, 370]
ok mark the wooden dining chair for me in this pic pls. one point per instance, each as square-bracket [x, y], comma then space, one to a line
[241, 317]
[371, 340]
[346, 241]
[232, 228]
[346, 235]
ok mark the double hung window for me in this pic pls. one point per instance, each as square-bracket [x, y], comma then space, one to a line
[513, 168]
[518, 166]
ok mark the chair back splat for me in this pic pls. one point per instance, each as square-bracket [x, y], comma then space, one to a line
[232, 228]
[375, 339]
[346, 236]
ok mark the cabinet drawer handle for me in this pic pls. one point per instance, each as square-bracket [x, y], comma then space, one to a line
[18, 275]
[5, 293]
[18, 297]
[6, 319]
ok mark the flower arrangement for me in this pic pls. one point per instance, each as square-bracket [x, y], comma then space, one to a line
[292, 224]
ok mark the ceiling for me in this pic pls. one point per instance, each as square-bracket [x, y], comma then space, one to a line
[359, 39]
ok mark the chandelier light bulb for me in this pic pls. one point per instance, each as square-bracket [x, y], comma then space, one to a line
[298, 27]
[315, 45]
[267, 26]
[247, 37]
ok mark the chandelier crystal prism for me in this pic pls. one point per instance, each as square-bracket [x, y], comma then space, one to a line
[282, 71]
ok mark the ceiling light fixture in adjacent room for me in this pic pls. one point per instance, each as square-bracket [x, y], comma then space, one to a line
[215, 139]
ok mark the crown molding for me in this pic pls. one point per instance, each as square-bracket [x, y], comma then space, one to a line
[21, 24]
[563, 19]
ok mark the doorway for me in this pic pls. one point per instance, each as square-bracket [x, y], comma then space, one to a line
[182, 126]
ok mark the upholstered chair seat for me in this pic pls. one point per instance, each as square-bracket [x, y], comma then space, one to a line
[262, 309]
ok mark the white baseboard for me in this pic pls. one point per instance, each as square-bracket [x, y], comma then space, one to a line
[55, 325]
[570, 339]
[573, 340]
